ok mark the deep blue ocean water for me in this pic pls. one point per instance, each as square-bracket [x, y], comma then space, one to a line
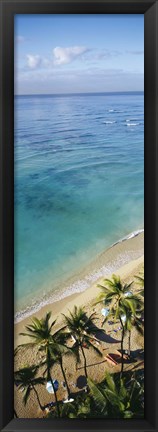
[79, 183]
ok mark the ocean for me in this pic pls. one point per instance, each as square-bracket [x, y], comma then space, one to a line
[79, 187]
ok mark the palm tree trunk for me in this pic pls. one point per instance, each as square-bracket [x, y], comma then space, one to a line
[64, 376]
[122, 340]
[50, 378]
[36, 393]
[85, 361]
[55, 394]
[129, 343]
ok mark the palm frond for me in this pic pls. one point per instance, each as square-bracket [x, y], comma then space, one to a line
[127, 287]
[123, 390]
[140, 280]
[98, 396]
[26, 395]
[110, 382]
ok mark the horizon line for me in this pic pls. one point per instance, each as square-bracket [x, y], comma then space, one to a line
[80, 93]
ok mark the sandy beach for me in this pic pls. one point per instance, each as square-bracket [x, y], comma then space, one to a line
[104, 264]
[108, 342]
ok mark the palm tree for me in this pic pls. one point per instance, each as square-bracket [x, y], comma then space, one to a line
[132, 320]
[119, 314]
[82, 329]
[117, 296]
[58, 349]
[40, 331]
[115, 398]
[26, 379]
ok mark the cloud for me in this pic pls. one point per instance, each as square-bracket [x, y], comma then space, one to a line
[62, 80]
[67, 55]
[33, 61]
[61, 56]
[104, 54]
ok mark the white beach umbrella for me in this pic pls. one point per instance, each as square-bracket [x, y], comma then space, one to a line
[105, 312]
[68, 400]
[123, 317]
[49, 386]
[128, 293]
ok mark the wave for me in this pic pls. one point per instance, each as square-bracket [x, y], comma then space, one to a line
[129, 236]
[134, 119]
[119, 111]
[132, 124]
[84, 282]
[116, 111]
[109, 122]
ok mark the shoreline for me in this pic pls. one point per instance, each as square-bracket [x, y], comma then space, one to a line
[105, 263]
[134, 244]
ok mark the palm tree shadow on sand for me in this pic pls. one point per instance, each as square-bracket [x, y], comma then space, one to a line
[92, 364]
[102, 336]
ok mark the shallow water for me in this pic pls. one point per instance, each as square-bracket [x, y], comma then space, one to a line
[79, 182]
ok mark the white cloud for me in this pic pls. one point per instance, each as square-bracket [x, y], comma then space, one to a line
[67, 55]
[33, 61]
[61, 56]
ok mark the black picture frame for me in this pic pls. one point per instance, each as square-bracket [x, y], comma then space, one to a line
[8, 8]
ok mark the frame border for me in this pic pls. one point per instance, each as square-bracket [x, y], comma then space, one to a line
[7, 10]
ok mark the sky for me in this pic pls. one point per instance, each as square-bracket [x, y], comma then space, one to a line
[78, 53]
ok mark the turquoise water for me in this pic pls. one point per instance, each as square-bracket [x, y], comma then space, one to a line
[79, 168]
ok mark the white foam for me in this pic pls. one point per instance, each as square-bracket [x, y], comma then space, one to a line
[109, 122]
[133, 119]
[116, 111]
[133, 124]
[119, 111]
[129, 236]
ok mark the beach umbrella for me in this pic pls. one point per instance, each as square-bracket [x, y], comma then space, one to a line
[128, 293]
[68, 400]
[105, 312]
[123, 317]
[49, 386]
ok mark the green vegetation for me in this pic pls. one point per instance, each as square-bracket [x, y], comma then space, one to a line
[121, 304]
[112, 398]
[82, 329]
[41, 333]
[119, 395]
